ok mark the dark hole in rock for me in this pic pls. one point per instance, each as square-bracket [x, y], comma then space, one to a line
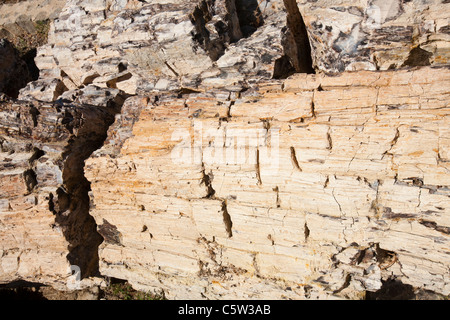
[31, 65]
[37, 153]
[418, 58]
[122, 67]
[242, 19]
[249, 15]
[392, 289]
[296, 45]
[283, 68]
[30, 179]
[63, 200]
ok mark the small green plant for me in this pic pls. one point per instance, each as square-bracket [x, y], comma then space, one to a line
[42, 28]
[124, 291]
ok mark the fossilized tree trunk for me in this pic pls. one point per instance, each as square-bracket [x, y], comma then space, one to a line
[318, 184]
[245, 160]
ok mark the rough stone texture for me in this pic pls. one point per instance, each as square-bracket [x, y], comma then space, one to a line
[44, 221]
[225, 174]
[307, 188]
[141, 46]
[377, 34]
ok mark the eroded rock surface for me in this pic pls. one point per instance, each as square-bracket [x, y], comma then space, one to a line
[230, 169]
[304, 188]
[142, 46]
[377, 34]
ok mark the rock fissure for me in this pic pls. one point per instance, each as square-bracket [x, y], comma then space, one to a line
[296, 45]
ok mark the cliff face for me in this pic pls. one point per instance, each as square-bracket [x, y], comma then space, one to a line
[316, 183]
[224, 149]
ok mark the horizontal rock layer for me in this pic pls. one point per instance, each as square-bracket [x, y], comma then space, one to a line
[217, 179]
[309, 187]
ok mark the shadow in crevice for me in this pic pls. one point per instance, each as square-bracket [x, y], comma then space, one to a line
[392, 290]
[72, 202]
[249, 15]
[418, 58]
[21, 290]
[216, 28]
[33, 70]
[297, 49]
[203, 14]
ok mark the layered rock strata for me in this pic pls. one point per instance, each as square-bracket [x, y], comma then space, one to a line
[230, 169]
[307, 187]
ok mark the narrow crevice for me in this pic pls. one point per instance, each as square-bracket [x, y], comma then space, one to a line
[71, 204]
[327, 181]
[249, 15]
[393, 142]
[79, 228]
[200, 17]
[346, 283]
[330, 141]
[392, 289]
[435, 226]
[294, 159]
[218, 24]
[207, 182]
[258, 168]
[295, 40]
[397, 135]
[233, 23]
[313, 108]
[278, 201]
[227, 219]
[255, 265]
[307, 231]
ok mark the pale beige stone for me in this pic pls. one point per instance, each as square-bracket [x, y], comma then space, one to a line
[343, 172]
